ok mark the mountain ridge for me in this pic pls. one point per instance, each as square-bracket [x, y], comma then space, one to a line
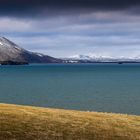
[101, 58]
[11, 52]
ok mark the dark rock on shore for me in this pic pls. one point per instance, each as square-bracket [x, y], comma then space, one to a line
[13, 63]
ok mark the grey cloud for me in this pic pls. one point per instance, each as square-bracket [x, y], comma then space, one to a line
[67, 28]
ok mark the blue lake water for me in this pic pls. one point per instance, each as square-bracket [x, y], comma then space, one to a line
[89, 87]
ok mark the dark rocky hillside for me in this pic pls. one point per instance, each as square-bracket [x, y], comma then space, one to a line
[10, 52]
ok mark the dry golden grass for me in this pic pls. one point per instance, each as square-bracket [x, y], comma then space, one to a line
[32, 123]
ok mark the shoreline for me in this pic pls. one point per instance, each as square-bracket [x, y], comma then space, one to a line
[35, 123]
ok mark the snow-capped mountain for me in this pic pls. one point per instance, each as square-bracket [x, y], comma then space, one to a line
[100, 58]
[80, 57]
[9, 51]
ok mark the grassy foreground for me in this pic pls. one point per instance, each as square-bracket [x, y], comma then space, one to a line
[32, 123]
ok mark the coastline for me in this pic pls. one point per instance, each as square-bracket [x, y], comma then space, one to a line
[35, 123]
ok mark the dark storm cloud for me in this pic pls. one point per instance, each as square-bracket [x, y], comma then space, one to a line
[67, 3]
[34, 7]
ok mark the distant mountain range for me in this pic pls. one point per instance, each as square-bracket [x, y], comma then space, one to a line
[97, 58]
[10, 53]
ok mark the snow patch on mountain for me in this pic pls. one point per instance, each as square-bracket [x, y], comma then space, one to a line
[39, 54]
[89, 57]
[1, 43]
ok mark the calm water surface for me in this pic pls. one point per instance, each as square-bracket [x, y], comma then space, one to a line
[93, 87]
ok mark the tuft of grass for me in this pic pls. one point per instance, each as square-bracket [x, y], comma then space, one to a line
[34, 123]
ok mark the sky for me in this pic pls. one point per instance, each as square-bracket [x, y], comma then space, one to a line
[63, 28]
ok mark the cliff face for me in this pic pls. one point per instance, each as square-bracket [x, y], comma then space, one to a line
[9, 51]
